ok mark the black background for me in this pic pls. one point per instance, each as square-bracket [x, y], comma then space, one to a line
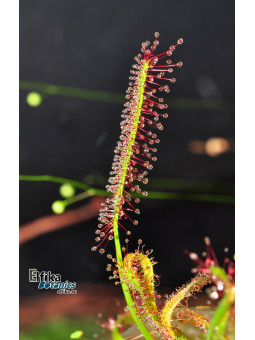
[91, 45]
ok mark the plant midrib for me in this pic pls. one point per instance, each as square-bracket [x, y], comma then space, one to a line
[118, 196]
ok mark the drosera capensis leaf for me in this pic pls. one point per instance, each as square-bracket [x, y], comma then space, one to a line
[139, 271]
[166, 317]
[134, 152]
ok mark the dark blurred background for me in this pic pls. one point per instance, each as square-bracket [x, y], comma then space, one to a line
[90, 45]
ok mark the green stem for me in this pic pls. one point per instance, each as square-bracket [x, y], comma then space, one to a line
[79, 197]
[55, 179]
[116, 335]
[218, 315]
[49, 178]
[74, 92]
[191, 197]
[125, 288]
[222, 312]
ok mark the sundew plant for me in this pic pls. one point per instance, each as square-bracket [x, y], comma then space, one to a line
[147, 315]
[155, 317]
